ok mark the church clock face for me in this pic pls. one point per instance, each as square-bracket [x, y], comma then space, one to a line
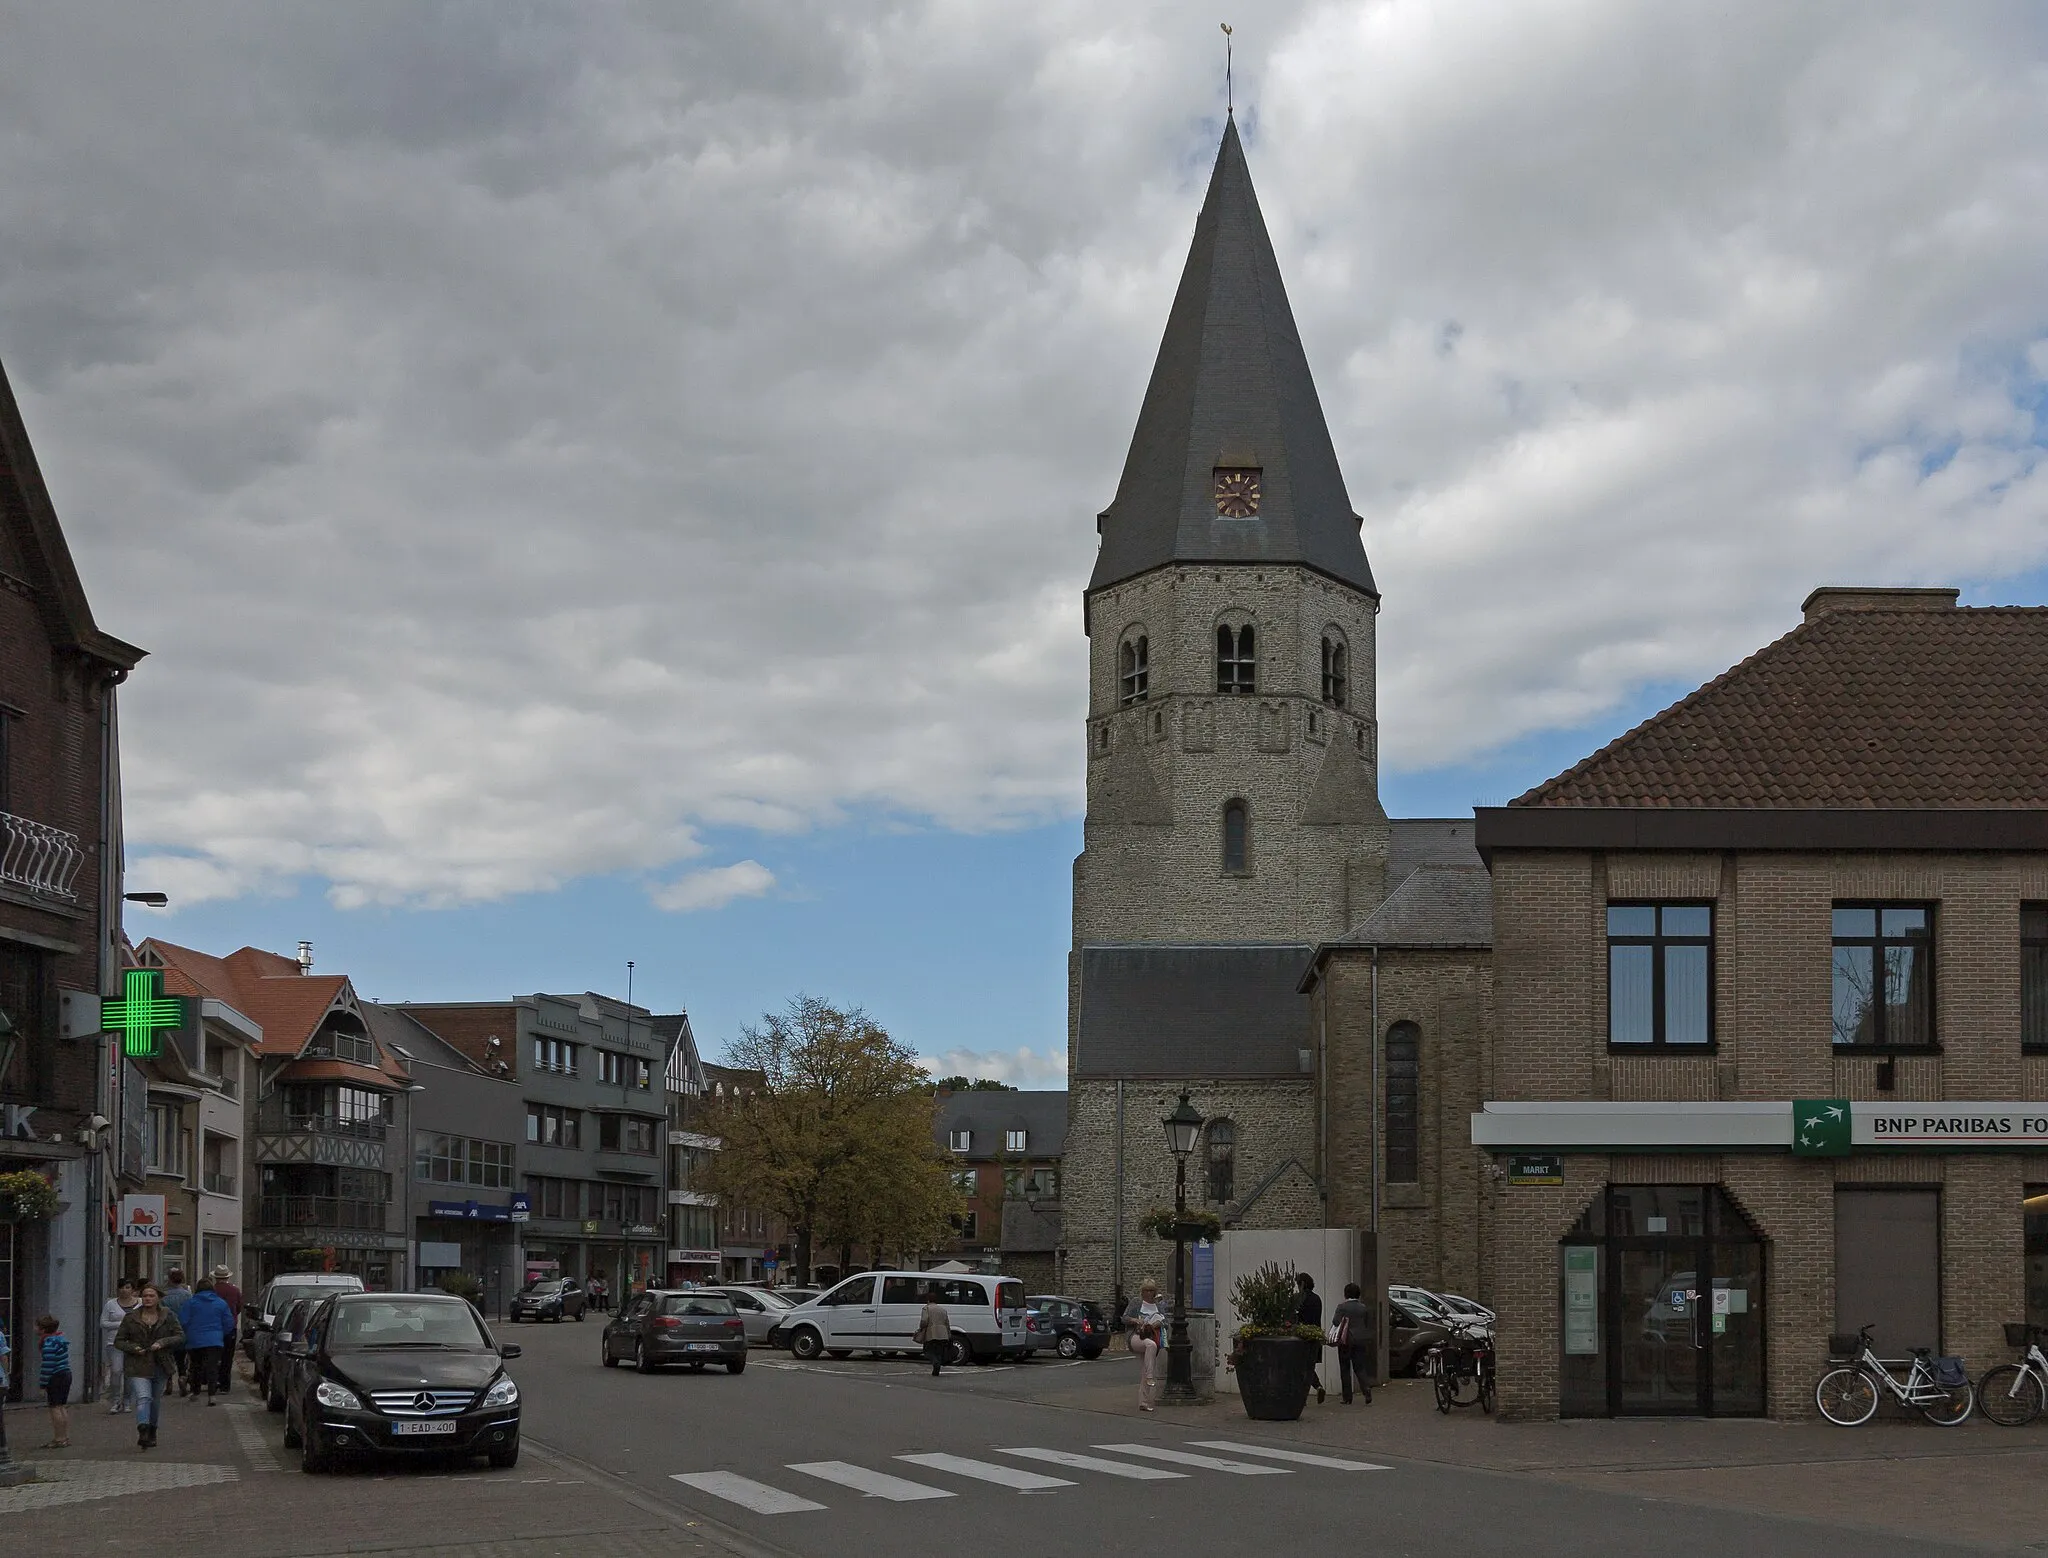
[1237, 492]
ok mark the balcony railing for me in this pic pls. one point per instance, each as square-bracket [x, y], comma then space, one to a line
[219, 1184]
[38, 858]
[273, 1118]
[318, 1212]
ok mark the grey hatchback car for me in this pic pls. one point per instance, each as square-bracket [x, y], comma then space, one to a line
[692, 1326]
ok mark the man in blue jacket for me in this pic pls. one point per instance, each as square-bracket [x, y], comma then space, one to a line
[208, 1324]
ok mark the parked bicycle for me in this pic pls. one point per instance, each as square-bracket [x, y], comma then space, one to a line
[1848, 1394]
[2013, 1393]
[1461, 1366]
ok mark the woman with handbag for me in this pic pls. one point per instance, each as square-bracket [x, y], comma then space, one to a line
[1144, 1323]
[934, 1328]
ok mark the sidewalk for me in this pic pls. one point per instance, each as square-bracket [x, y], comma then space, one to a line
[1978, 1483]
[232, 1479]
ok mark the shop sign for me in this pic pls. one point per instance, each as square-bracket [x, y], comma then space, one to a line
[1949, 1125]
[142, 1219]
[590, 1227]
[1535, 1168]
[522, 1206]
[641, 1230]
[472, 1211]
[1581, 1299]
[142, 1014]
[1808, 1127]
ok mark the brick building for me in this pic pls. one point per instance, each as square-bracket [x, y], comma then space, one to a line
[1005, 1148]
[1775, 969]
[60, 902]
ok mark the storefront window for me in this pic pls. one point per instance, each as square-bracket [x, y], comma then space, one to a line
[2036, 1208]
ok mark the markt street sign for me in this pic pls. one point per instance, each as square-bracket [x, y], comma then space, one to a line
[142, 1013]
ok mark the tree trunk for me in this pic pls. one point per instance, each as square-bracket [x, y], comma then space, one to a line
[845, 1258]
[801, 1253]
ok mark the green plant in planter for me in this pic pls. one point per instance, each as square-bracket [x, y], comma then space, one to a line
[1200, 1223]
[26, 1197]
[463, 1285]
[1266, 1300]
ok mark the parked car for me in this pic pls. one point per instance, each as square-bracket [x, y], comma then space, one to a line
[273, 1377]
[389, 1374]
[1468, 1309]
[551, 1298]
[260, 1318]
[759, 1309]
[1419, 1300]
[1077, 1328]
[878, 1312]
[801, 1293]
[1411, 1332]
[693, 1326]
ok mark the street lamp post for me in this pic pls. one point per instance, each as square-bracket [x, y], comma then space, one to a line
[1183, 1127]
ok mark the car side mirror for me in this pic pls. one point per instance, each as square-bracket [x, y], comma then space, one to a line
[509, 1351]
[265, 1325]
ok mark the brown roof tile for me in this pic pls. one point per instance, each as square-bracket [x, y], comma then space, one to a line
[1855, 708]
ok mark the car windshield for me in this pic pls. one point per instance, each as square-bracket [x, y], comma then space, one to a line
[398, 1322]
[771, 1300]
[552, 1285]
[697, 1304]
[282, 1299]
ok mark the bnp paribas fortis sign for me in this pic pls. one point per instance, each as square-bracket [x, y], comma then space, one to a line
[1808, 1127]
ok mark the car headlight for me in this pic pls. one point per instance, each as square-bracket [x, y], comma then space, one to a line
[329, 1394]
[502, 1394]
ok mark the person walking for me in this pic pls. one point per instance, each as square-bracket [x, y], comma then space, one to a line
[1352, 1323]
[1144, 1323]
[150, 1336]
[112, 1313]
[1308, 1310]
[208, 1324]
[175, 1298]
[223, 1284]
[55, 1379]
[934, 1328]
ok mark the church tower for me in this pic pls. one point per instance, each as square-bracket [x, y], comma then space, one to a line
[1233, 815]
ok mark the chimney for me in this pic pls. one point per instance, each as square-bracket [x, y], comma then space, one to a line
[305, 957]
[1861, 597]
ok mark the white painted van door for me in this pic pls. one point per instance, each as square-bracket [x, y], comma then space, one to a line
[849, 1313]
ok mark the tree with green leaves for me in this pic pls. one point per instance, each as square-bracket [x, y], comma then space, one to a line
[838, 1142]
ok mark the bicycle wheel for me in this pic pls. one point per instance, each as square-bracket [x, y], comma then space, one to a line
[1464, 1389]
[1444, 1399]
[2010, 1395]
[1954, 1406]
[1846, 1396]
[1487, 1395]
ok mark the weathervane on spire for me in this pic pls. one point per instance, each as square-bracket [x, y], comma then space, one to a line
[1229, 91]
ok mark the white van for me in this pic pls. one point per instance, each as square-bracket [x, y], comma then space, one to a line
[878, 1312]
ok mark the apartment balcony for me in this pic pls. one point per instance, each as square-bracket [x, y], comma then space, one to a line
[218, 1184]
[285, 1137]
[319, 1212]
[38, 859]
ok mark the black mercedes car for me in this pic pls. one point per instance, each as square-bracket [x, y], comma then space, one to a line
[694, 1326]
[401, 1374]
[552, 1298]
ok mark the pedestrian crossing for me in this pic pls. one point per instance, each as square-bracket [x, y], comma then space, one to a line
[1128, 1460]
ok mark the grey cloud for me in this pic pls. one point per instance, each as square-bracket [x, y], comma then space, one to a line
[530, 435]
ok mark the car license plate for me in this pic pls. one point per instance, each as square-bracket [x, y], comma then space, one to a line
[704, 1347]
[444, 1425]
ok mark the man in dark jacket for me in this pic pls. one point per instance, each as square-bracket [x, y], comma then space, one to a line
[223, 1284]
[1308, 1310]
[175, 1297]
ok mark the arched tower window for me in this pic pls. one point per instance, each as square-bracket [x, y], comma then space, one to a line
[1222, 1164]
[1404, 1103]
[1236, 661]
[1237, 839]
[1336, 672]
[1134, 670]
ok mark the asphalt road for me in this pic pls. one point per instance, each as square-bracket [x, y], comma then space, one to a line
[875, 1456]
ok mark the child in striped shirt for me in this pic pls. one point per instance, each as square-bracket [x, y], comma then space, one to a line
[56, 1380]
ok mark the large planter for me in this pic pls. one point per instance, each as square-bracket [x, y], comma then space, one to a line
[1273, 1376]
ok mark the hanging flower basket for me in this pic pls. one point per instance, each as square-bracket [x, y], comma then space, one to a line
[1199, 1223]
[26, 1197]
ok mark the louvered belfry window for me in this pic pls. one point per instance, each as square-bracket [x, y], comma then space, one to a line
[1236, 660]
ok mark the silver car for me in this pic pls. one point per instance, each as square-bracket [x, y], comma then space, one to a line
[760, 1309]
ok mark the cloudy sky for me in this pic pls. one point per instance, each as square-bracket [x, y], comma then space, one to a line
[613, 481]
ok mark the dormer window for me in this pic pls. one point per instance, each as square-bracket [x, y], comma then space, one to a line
[1336, 672]
[1236, 661]
[960, 1141]
[1013, 1141]
[1134, 670]
[1237, 491]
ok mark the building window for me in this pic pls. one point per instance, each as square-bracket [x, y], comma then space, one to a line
[964, 1181]
[1884, 975]
[969, 1225]
[1237, 839]
[1660, 973]
[2034, 977]
[6, 766]
[611, 1068]
[1134, 670]
[548, 1126]
[1336, 672]
[1221, 1137]
[1013, 1141]
[960, 1141]
[624, 1133]
[167, 1146]
[462, 1160]
[1236, 660]
[23, 987]
[557, 1055]
[1404, 1104]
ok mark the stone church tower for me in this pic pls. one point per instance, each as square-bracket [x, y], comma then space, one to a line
[1233, 817]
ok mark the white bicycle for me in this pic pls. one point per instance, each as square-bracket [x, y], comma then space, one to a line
[1848, 1394]
[2013, 1393]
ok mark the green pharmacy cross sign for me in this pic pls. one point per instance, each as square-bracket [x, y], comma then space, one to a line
[142, 1013]
[1820, 1127]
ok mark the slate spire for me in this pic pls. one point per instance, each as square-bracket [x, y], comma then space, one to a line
[1231, 390]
